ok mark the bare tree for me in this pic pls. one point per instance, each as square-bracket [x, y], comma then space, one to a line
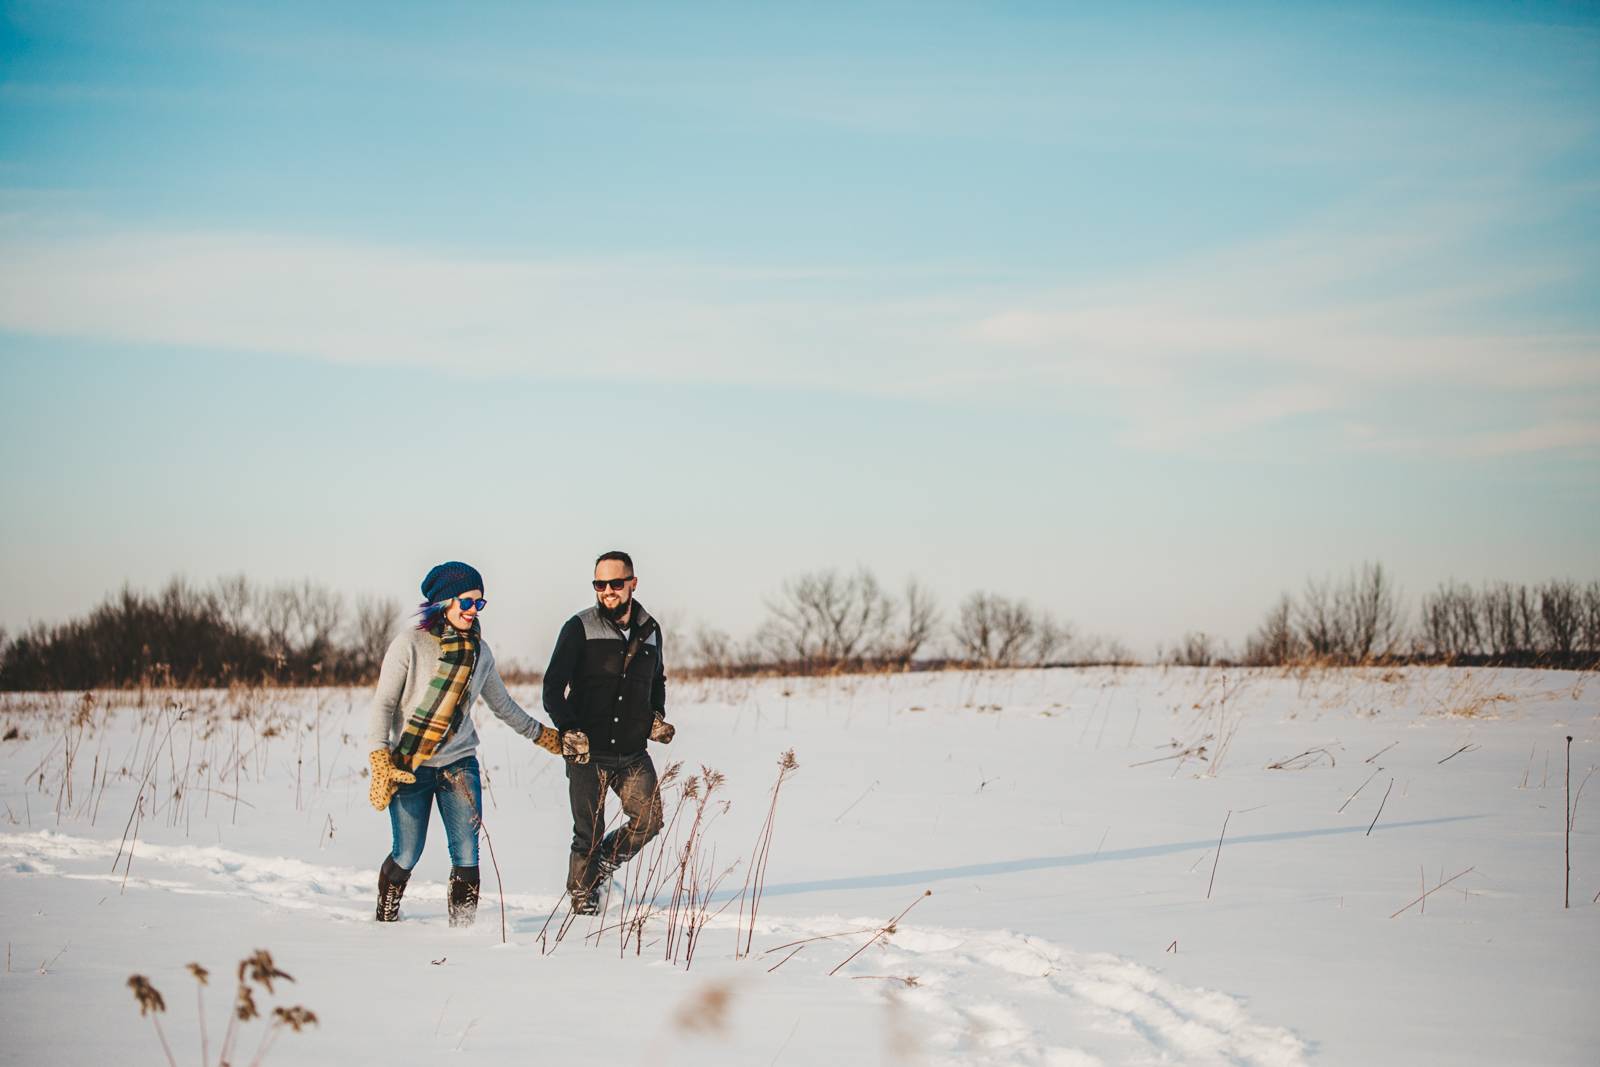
[298, 620]
[1275, 641]
[1591, 618]
[318, 614]
[1316, 622]
[1560, 617]
[1196, 650]
[1498, 607]
[1451, 622]
[822, 620]
[374, 625]
[918, 618]
[1050, 638]
[1367, 609]
[713, 652]
[1097, 648]
[1526, 616]
[235, 602]
[994, 631]
[1110, 650]
[275, 611]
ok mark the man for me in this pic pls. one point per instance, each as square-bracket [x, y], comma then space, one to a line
[606, 691]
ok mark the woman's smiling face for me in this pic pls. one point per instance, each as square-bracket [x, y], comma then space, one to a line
[458, 617]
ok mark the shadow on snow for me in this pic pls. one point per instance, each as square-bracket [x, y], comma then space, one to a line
[1080, 859]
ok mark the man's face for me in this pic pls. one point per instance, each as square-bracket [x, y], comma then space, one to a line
[612, 572]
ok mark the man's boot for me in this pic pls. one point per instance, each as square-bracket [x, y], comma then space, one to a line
[580, 883]
[463, 905]
[391, 887]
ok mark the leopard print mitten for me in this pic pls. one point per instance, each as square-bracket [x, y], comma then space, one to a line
[548, 739]
[386, 778]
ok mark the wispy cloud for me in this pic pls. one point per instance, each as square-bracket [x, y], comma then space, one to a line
[1328, 320]
[579, 319]
[1334, 317]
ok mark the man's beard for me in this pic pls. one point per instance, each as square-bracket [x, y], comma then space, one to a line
[616, 614]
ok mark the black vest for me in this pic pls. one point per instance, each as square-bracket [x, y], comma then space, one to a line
[612, 691]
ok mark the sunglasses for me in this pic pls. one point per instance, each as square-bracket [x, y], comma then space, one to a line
[466, 603]
[615, 583]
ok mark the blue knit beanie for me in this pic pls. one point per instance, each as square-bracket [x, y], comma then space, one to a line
[450, 579]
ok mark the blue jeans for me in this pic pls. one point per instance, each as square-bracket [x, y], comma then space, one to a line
[412, 804]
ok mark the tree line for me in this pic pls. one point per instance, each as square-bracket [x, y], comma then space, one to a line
[304, 634]
[1363, 618]
[818, 622]
[229, 631]
[831, 621]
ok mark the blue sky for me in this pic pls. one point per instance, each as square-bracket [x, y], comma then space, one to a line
[1145, 316]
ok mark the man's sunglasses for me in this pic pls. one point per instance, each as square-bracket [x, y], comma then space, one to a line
[615, 583]
[466, 603]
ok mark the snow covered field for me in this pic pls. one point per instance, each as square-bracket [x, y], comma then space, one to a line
[1066, 823]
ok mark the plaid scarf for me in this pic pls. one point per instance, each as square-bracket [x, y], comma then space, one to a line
[439, 714]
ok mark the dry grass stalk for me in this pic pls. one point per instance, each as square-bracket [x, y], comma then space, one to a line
[883, 931]
[756, 873]
[260, 969]
[295, 1018]
[908, 980]
[819, 937]
[1299, 762]
[458, 783]
[1430, 892]
[1359, 788]
[1566, 897]
[1381, 803]
[689, 870]
[138, 808]
[647, 879]
[200, 976]
[1380, 752]
[150, 1002]
[792, 954]
[570, 916]
[1218, 858]
[1196, 751]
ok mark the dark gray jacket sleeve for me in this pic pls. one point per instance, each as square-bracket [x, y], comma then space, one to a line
[558, 676]
[658, 688]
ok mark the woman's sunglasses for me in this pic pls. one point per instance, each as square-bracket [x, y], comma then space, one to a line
[466, 603]
[615, 583]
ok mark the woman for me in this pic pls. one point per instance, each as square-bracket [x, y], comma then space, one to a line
[423, 740]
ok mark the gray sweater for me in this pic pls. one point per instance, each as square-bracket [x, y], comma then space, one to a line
[408, 667]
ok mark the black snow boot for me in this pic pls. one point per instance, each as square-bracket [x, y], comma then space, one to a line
[391, 887]
[581, 883]
[588, 901]
[463, 895]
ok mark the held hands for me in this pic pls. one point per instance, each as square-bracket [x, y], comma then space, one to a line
[661, 730]
[386, 778]
[575, 746]
[549, 739]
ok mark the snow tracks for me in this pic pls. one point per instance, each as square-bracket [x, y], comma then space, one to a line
[954, 996]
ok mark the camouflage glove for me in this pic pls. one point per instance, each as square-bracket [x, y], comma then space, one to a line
[386, 778]
[549, 739]
[661, 730]
[575, 746]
